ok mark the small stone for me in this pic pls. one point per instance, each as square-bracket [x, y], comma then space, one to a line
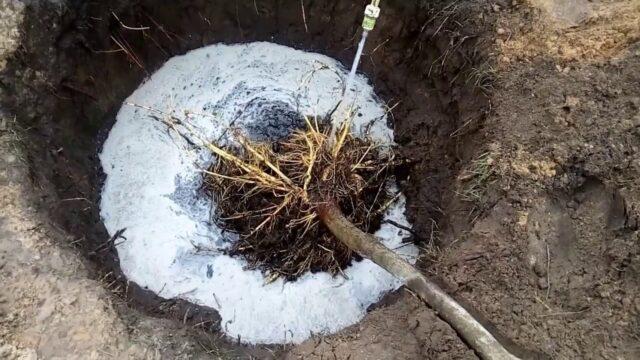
[501, 31]
[560, 120]
[571, 102]
[542, 283]
[523, 218]
[5, 351]
[540, 269]
[605, 293]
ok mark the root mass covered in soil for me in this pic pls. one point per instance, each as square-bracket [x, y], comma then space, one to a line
[270, 194]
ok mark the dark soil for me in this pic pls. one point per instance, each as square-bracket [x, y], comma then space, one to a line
[66, 86]
[555, 259]
[546, 246]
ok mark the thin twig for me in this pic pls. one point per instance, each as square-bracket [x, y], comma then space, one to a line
[111, 241]
[129, 27]
[548, 269]
[130, 53]
[304, 16]
[386, 205]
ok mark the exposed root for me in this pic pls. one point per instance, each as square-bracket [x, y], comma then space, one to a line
[277, 221]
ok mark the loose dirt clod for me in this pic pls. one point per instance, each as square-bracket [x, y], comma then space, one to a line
[269, 194]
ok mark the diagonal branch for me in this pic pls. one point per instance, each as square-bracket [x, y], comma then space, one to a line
[367, 245]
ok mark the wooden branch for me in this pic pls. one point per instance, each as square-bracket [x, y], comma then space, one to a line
[368, 246]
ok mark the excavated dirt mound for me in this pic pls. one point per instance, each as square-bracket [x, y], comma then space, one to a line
[523, 191]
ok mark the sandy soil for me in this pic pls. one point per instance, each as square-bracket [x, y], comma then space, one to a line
[538, 227]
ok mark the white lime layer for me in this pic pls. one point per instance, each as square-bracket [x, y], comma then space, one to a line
[152, 183]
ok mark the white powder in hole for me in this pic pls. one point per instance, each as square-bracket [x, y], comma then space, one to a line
[152, 183]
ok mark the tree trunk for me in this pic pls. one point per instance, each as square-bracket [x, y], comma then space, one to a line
[369, 247]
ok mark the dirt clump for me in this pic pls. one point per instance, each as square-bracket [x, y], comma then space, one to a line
[569, 31]
[552, 254]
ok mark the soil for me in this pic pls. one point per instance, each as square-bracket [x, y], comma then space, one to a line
[523, 121]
